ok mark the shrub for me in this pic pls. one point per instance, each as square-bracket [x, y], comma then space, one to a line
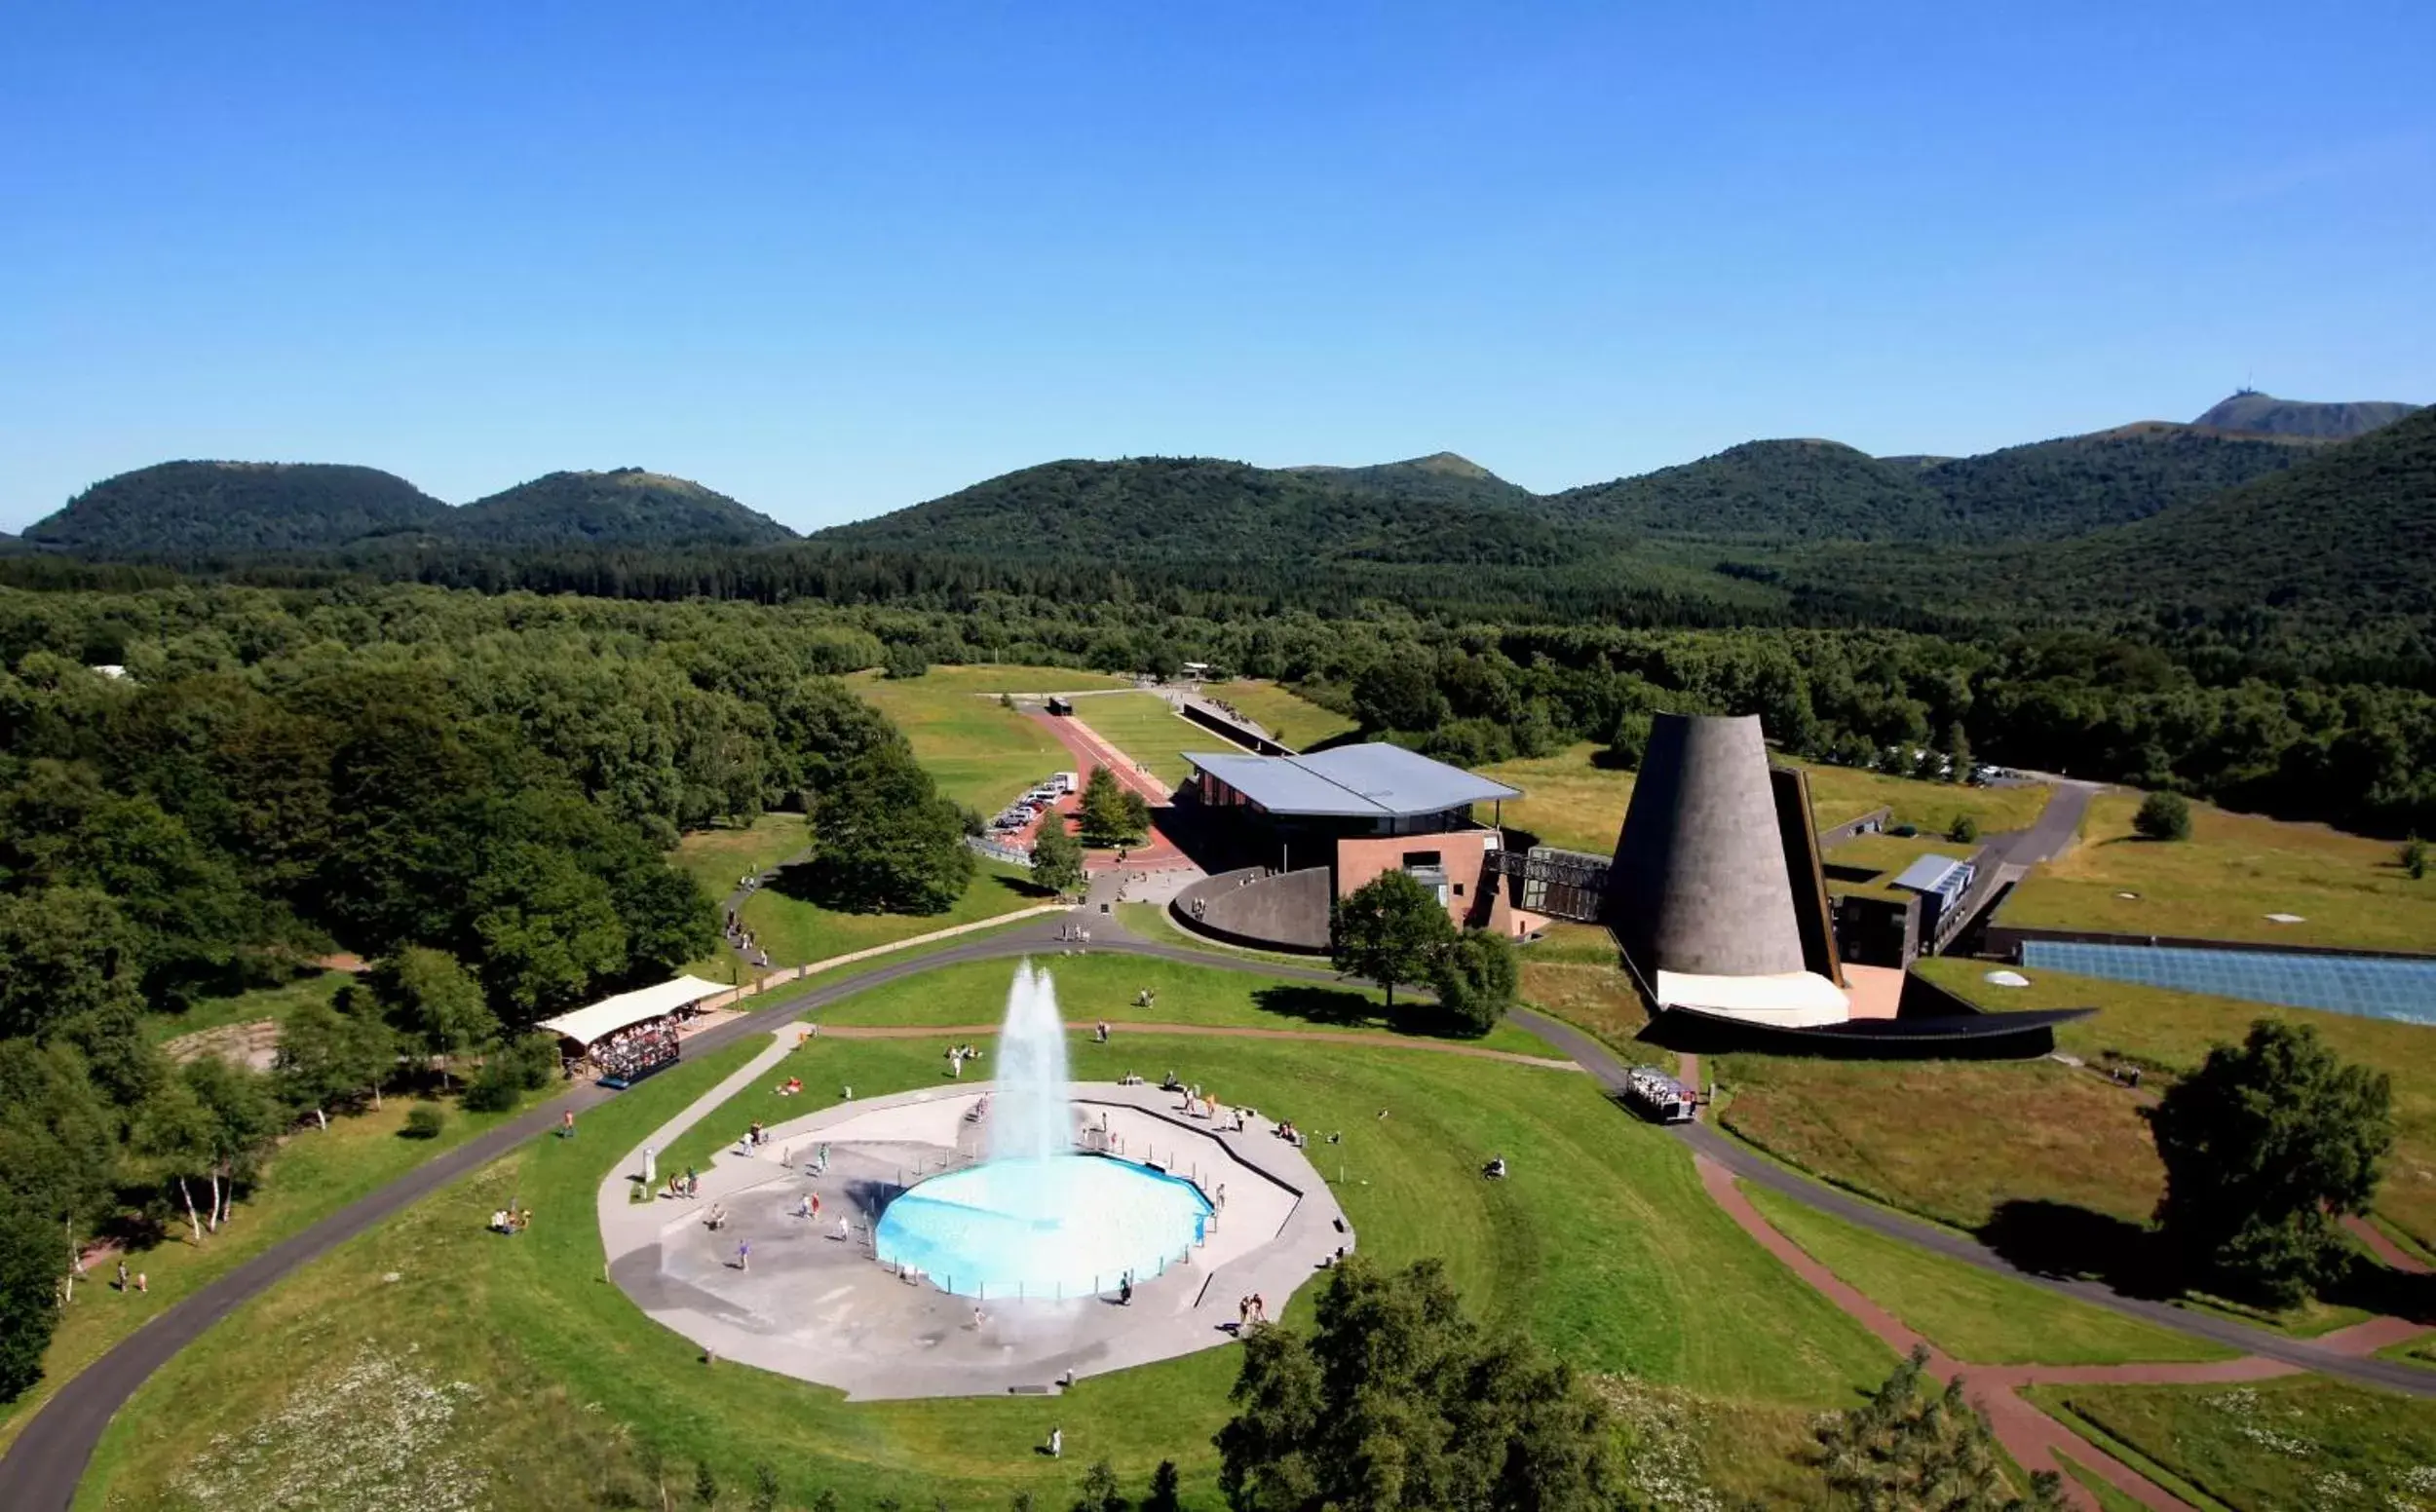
[425, 1122]
[1963, 831]
[2414, 857]
[2163, 816]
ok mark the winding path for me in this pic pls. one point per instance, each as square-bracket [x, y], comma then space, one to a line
[41, 1469]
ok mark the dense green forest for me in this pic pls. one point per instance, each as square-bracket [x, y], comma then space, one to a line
[475, 793]
[626, 506]
[179, 508]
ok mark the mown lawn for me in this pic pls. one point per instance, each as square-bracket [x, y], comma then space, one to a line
[1296, 721]
[980, 753]
[1970, 1314]
[1147, 730]
[1569, 803]
[1842, 793]
[550, 1386]
[2169, 1033]
[312, 1175]
[1099, 986]
[2221, 883]
[1949, 1140]
[719, 857]
[2305, 1442]
[796, 930]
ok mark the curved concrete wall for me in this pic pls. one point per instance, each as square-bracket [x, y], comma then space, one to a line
[1699, 882]
[1284, 911]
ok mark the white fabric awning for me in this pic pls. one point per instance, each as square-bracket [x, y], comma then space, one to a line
[606, 1017]
[1792, 1000]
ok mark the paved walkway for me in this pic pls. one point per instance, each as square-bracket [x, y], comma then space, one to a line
[41, 1469]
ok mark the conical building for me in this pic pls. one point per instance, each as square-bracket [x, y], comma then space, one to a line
[1704, 894]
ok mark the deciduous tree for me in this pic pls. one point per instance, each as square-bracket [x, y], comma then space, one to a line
[1391, 930]
[1057, 856]
[1396, 1400]
[1475, 977]
[2265, 1147]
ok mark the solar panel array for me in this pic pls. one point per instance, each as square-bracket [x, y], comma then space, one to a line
[2368, 986]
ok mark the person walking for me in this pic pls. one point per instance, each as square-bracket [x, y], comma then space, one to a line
[743, 1254]
[1057, 1443]
[122, 1278]
[566, 1124]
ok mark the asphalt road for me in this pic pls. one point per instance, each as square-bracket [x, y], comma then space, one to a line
[42, 1468]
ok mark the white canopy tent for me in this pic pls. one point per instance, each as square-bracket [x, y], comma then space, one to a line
[1790, 1000]
[588, 1026]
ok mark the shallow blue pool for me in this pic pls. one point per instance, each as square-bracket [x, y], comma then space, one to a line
[1072, 1225]
[2368, 985]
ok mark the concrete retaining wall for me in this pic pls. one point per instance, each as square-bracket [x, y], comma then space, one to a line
[1261, 909]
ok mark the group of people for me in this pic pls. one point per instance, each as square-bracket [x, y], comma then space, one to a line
[741, 939]
[511, 1219]
[686, 1187]
[1249, 1310]
[637, 1048]
[1074, 933]
[792, 1086]
[957, 1055]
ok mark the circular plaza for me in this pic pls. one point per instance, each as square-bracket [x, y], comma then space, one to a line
[873, 1246]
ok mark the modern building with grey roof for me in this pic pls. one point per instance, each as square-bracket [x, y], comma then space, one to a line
[1396, 790]
[1288, 835]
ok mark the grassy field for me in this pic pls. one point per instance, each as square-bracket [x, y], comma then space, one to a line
[2109, 1499]
[795, 930]
[1296, 721]
[1842, 793]
[2223, 883]
[717, 858]
[510, 1366]
[980, 753]
[312, 1175]
[2300, 1443]
[1566, 801]
[248, 1008]
[1883, 857]
[1970, 1314]
[1569, 803]
[1104, 986]
[1143, 727]
[1574, 975]
[1949, 1140]
[2170, 1032]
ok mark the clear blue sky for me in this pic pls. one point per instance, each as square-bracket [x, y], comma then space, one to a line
[834, 259]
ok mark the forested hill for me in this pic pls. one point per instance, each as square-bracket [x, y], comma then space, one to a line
[626, 506]
[2266, 415]
[2051, 489]
[1792, 490]
[1199, 508]
[2351, 528]
[1441, 477]
[195, 507]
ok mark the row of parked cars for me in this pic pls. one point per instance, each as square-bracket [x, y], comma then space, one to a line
[1035, 800]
